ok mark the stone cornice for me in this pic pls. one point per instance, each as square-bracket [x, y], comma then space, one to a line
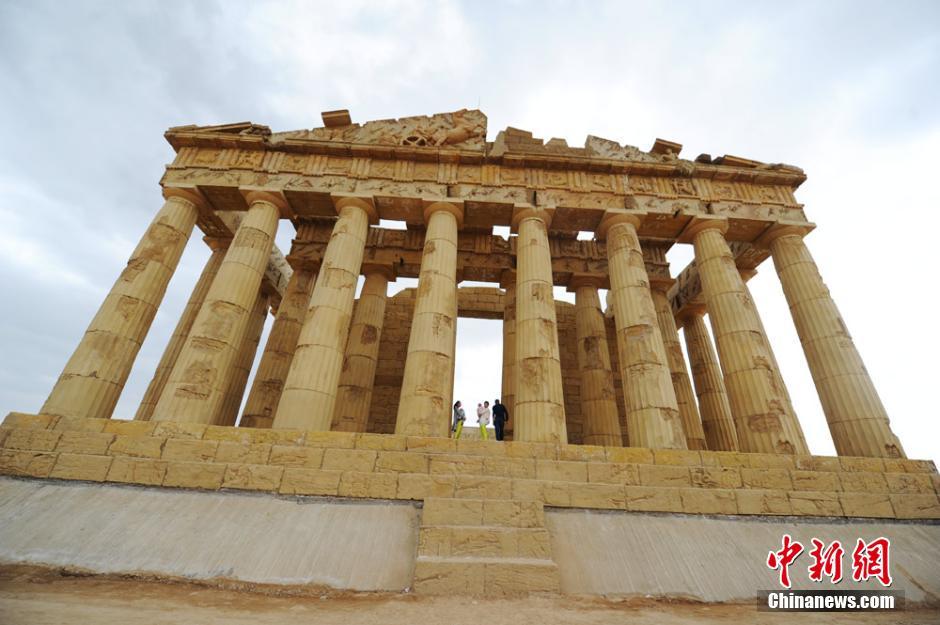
[460, 138]
[180, 139]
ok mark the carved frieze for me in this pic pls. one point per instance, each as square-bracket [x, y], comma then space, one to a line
[460, 129]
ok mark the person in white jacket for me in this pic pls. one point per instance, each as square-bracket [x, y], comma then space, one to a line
[483, 416]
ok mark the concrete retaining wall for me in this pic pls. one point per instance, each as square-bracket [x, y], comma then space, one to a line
[364, 545]
[723, 558]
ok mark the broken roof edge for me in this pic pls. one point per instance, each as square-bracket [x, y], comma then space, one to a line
[464, 131]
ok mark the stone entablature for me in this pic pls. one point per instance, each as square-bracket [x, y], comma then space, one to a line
[346, 464]
[377, 160]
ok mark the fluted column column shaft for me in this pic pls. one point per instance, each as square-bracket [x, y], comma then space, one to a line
[681, 384]
[92, 380]
[309, 395]
[857, 418]
[201, 376]
[717, 423]
[758, 401]
[354, 395]
[652, 411]
[266, 388]
[598, 396]
[427, 384]
[178, 338]
[508, 393]
[539, 400]
[251, 338]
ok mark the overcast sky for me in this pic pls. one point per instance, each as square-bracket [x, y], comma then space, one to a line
[847, 90]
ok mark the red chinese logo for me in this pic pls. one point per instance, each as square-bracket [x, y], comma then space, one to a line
[784, 558]
[826, 561]
[871, 560]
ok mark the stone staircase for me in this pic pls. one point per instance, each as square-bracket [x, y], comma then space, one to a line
[484, 547]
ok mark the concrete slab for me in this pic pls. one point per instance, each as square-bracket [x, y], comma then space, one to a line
[724, 558]
[104, 528]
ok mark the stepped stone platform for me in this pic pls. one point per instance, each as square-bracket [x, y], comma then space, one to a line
[346, 464]
[485, 512]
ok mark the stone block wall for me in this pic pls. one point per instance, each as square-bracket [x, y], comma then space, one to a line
[346, 464]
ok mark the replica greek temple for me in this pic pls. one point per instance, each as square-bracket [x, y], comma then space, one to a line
[571, 374]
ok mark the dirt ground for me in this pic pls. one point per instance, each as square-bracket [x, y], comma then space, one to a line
[37, 597]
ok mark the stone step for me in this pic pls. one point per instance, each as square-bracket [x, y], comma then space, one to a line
[483, 512]
[484, 576]
[484, 541]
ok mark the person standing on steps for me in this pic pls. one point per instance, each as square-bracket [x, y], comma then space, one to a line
[459, 417]
[483, 416]
[500, 417]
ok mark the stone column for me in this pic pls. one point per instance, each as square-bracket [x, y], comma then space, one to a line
[183, 326]
[652, 411]
[94, 376]
[354, 394]
[309, 394]
[203, 370]
[598, 396]
[539, 400]
[685, 396]
[265, 393]
[757, 397]
[508, 283]
[251, 338]
[746, 276]
[427, 385]
[717, 423]
[857, 419]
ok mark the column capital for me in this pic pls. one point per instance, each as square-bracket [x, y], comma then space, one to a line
[275, 198]
[217, 244]
[747, 274]
[701, 224]
[190, 194]
[365, 202]
[661, 284]
[612, 217]
[298, 262]
[690, 311]
[382, 269]
[579, 280]
[507, 279]
[454, 207]
[783, 229]
[527, 211]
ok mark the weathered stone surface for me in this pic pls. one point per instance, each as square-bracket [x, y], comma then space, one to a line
[252, 477]
[419, 486]
[204, 475]
[371, 485]
[81, 467]
[349, 460]
[26, 463]
[190, 450]
[708, 501]
[291, 456]
[137, 447]
[652, 499]
[297, 481]
[144, 471]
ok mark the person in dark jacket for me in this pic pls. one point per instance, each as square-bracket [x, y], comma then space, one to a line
[500, 417]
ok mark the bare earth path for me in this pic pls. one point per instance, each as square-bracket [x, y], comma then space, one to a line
[44, 598]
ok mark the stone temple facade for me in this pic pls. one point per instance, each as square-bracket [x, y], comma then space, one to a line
[352, 397]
